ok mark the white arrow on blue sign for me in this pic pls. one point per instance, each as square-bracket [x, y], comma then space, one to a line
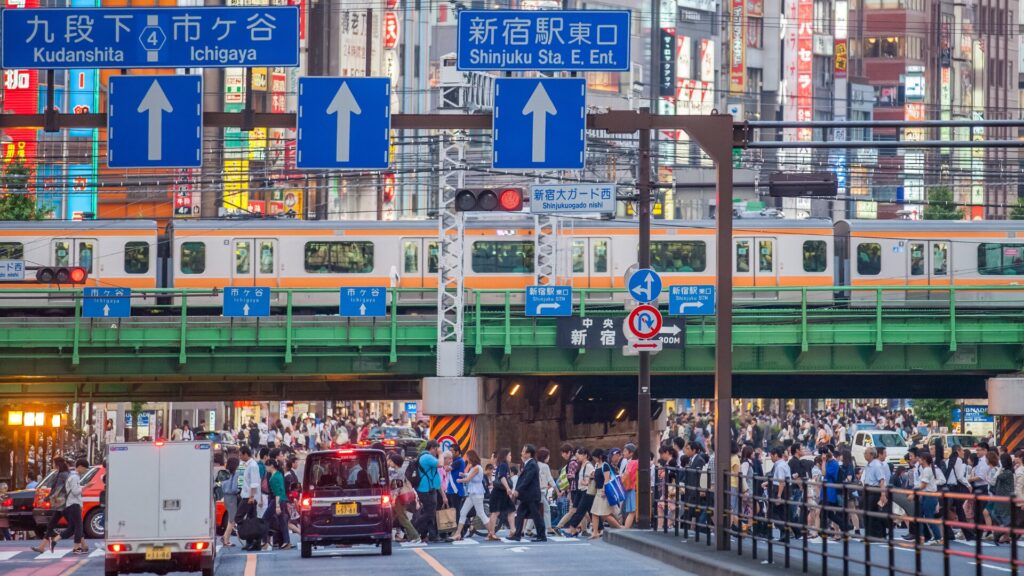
[344, 123]
[644, 285]
[106, 302]
[155, 121]
[691, 300]
[246, 302]
[363, 301]
[549, 301]
[539, 123]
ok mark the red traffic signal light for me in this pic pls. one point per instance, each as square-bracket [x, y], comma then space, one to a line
[489, 200]
[511, 199]
[61, 275]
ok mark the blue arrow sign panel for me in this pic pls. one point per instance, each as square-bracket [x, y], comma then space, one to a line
[147, 37]
[549, 300]
[106, 302]
[539, 123]
[155, 121]
[344, 123]
[364, 301]
[691, 300]
[562, 40]
[247, 302]
[644, 285]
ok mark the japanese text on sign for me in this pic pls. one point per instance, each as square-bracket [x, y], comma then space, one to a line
[590, 332]
[549, 198]
[12, 270]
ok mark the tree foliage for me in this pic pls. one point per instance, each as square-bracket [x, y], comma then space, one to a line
[16, 203]
[941, 206]
[938, 409]
[1017, 212]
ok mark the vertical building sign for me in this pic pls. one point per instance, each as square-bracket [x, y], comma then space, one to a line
[236, 146]
[805, 67]
[667, 72]
[737, 48]
[707, 60]
[684, 57]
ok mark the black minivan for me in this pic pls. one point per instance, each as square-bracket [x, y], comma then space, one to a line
[346, 499]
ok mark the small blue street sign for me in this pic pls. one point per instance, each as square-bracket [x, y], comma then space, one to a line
[364, 301]
[562, 40]
[155, 121]
[344, 123]
[410, 408]
[246, 302]
[147, 37]
[644, 285]
[106, 302]
[549, 300]
[539, 123]
[691, 300]
[12, 270]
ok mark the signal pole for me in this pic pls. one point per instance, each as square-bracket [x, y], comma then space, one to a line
[643, 397]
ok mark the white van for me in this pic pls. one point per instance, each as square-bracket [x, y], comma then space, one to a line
[895, 445]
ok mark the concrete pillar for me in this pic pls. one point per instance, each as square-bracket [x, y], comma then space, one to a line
[1006, 400]
[453, 404]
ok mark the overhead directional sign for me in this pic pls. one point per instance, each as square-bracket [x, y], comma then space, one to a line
[549, 300]
[644, 285]
[364, 301]
[12, 270]
[539, 123]
[603, 332]
[344, 123]
[643, 323]
[563, 40]
[147, 37]
[155, 121]
[106, 302]
[247, 302]
[691, 300]
[572, 198]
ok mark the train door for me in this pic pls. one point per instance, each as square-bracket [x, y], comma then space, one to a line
[76, 252]
[419, 264]
[940, 266]
[755, 265]
[929, 265]
[591, 265]
[254, 263]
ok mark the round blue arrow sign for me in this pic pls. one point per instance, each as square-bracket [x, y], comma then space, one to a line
[644, 285]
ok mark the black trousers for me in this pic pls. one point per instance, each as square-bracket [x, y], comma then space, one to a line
[582, 509]
[73, 514]
[455, 501]
[535, 512]
[426, 517]
[874, 526]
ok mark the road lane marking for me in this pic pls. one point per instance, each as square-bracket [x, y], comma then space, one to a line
[77, 565]
[55, 555]
[97, 553]
[433, 563]
[4, 556]
[991, 566]
[250, 565]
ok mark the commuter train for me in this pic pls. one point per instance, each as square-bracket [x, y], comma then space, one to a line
[499, 254]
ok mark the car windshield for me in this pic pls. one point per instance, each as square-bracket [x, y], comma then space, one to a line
[89, 475]
[964, 440]
[345, 471]
[888, 440]
[392, 433]
[48, 481]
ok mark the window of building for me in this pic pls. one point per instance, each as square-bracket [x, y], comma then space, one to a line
[193, 258]
[12, 251]
[503, 257]
[1000, 259]
[604, 81]
[136, 257]
[883, 47]
[679, 256]
[869, 259]
[815, 256]
[339, 257]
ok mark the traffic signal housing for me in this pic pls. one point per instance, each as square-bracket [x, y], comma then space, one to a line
[61, 275]
[802, 184]
[508, 199]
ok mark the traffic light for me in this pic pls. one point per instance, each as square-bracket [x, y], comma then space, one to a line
[61, 275]
[489, 199]
[798, 184]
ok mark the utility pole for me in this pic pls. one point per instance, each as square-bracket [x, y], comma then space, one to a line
[643, 397]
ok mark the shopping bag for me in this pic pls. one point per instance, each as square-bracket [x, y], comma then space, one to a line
[614, 492]
[252, 529]
[446, 520]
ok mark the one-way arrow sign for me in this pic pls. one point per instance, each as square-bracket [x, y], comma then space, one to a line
[539, 123]
[343, 105]
[344, 123]
[155, 122]
[154, 104]
[539, 105]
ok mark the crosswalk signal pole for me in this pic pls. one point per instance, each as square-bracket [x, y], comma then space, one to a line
[643, 398]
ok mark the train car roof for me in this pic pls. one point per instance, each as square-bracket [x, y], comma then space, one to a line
[930, 225]
[78, 224]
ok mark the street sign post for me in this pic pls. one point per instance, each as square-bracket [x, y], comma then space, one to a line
[643, 323]
[246, 302]
[147, 37]
[344, 123]
[644, 285]
[12, 270]
[572, 198]
[106, 302]
[691, 300]
[155, 121]
[539, 123]
[364, 301]
[559, 40]
[549, 300]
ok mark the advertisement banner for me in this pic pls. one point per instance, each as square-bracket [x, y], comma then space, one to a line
[667, 73]
[841, 59]
[707, 60]
[737, 48]
[684, 57]
[805, 67]
[755, 8]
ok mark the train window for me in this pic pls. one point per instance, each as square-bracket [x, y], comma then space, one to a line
[916, 259]
[339, 257]
[679, 256]
[940, 258]
[600, 256]
[136, 257]
[869, 259]
[579, 256]
[12, 251]
[815, 256]
[743, 255]
[764, 255]
[85, 254]
[61, 253]
[1000, 259]
[503, 257]
[411, 256]
[266, 256]
[242, 256]
[432, 257]
[193, 257]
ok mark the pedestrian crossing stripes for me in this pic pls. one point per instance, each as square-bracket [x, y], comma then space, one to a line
[8, 555]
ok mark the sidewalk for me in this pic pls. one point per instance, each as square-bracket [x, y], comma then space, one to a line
[687, 555]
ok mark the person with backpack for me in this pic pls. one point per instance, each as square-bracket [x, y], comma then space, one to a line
[58, 500]
[428, 491]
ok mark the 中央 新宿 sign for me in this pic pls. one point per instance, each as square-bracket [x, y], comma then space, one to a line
[199, 37]
[564, 40]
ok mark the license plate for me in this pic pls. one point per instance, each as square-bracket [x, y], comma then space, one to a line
[158, 553]
[346, 509]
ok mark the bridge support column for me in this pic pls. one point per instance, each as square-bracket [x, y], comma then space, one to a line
[1006, 400]
[453, 404]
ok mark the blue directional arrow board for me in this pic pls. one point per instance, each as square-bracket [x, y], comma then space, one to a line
[106, 302]
[344, 123]
[147, 37]
[549, 300]
[644, 285]
[691, 300]
[539, 123]
[246, 302]
[364, 301]
[155, 121]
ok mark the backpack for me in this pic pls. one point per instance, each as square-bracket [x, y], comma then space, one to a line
[412, 473]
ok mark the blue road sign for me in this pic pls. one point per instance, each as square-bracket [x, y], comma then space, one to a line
[644, 285]
[344, 123]
[12, 270]
[155, 121]
[364, 301]
[410, 408]
[691, 300]
[549, 300]
[106, 302]
[539, 123]
[563, 40]
[146, 37]
[246, 302]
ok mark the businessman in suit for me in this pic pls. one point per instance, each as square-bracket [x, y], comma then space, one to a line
[527, 491]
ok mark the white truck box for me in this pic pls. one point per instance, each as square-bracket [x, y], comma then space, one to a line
[160, 508]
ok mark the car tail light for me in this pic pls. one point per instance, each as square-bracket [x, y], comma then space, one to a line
[115, 548]
[306, 502]
[9, 502]
[197, 546]
[385, 500]
[389, 442]
[346, 452]
[46, 504]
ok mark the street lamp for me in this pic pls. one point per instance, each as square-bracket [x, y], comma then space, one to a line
[15, 417]
[55, 421]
